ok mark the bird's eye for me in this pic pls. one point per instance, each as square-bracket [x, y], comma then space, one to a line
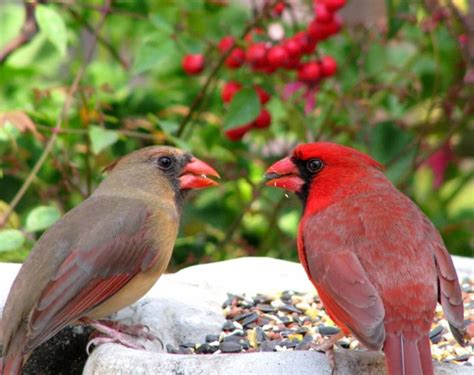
[314, 165]
[165, 162]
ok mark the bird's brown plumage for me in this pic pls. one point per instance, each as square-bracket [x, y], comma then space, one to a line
[102, 255]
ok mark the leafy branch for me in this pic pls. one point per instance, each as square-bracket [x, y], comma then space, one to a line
[27, 32]
[195, 105]
[57, 128]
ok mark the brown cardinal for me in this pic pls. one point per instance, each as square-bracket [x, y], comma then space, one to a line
[104, 254]
[377, 262]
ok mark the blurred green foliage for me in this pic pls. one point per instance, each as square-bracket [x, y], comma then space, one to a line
[399, 95]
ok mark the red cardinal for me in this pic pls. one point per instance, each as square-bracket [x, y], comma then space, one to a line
[104, 254]
[377, 261]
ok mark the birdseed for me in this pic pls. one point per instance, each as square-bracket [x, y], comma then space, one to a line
[291, 321]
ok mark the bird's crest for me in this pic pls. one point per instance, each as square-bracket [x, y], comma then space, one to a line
[334, 151]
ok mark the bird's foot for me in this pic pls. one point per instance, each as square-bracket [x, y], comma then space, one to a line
[115, 337]
[116, 332]
[327, 347]
[136, 330]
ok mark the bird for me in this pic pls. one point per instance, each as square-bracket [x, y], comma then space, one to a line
[377, 262]
[104, 254]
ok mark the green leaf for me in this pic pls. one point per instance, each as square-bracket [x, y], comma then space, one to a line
[388, 141]
[12, 20]
[41, 218]
[162, 58]
[390, 146]
[244, 108]
[29, 54]
[11, 239]
[101, 138]
[288, 223]
[9, 131]
[395, 8]
[161, 23]
[400, 53]
[51, 23]
[190, 5]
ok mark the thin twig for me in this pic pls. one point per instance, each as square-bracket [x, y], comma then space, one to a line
[199, 97]
[125, 64]
[416, 143]
[112, 10]
[293, 17]
[27, 32]
[463, 20]
[211, 91]
[440, 145]
[236, 224]
[254, 7]
[272, 222]
[87, 141]
[67, 178]
[126, 133]
[62, 116]
[324, 122]
[405, 178]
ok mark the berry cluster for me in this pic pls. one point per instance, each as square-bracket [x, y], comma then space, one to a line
[267, 54]
[262, 121]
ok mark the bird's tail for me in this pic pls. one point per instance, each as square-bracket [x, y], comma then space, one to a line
[405, 356]
[13, 357]
[11, 365]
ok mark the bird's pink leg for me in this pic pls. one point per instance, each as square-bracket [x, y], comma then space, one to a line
[114, 332]
[328, 348]
[136, 330]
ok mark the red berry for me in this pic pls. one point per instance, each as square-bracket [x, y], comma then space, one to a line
[334, 5]
[309, 72]
[193, 64]
[323, 15]
[226, 43]
[278, 8]
[262, 94]
[236, 134]
[263, 120]
[316, 30]
[268, 69]
[277, 56]
[293, 48]
[229, 90]
[334, 26]
[321, 31]
[256, 54]
[293, 64]
[328, 66]
[235, 59]
[306, 41]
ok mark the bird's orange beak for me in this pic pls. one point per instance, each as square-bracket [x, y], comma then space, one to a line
[285, 175]
[195, 175]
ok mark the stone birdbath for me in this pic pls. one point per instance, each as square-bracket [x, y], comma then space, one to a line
[186, 307]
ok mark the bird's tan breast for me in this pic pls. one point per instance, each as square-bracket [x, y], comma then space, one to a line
[141, 283]
[135, 289]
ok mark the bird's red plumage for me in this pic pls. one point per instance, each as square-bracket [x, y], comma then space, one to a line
[374, 257]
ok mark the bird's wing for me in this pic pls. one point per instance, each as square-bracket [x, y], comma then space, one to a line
[449, 290]
[342, 282]
[349, 295]
[114, 248]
